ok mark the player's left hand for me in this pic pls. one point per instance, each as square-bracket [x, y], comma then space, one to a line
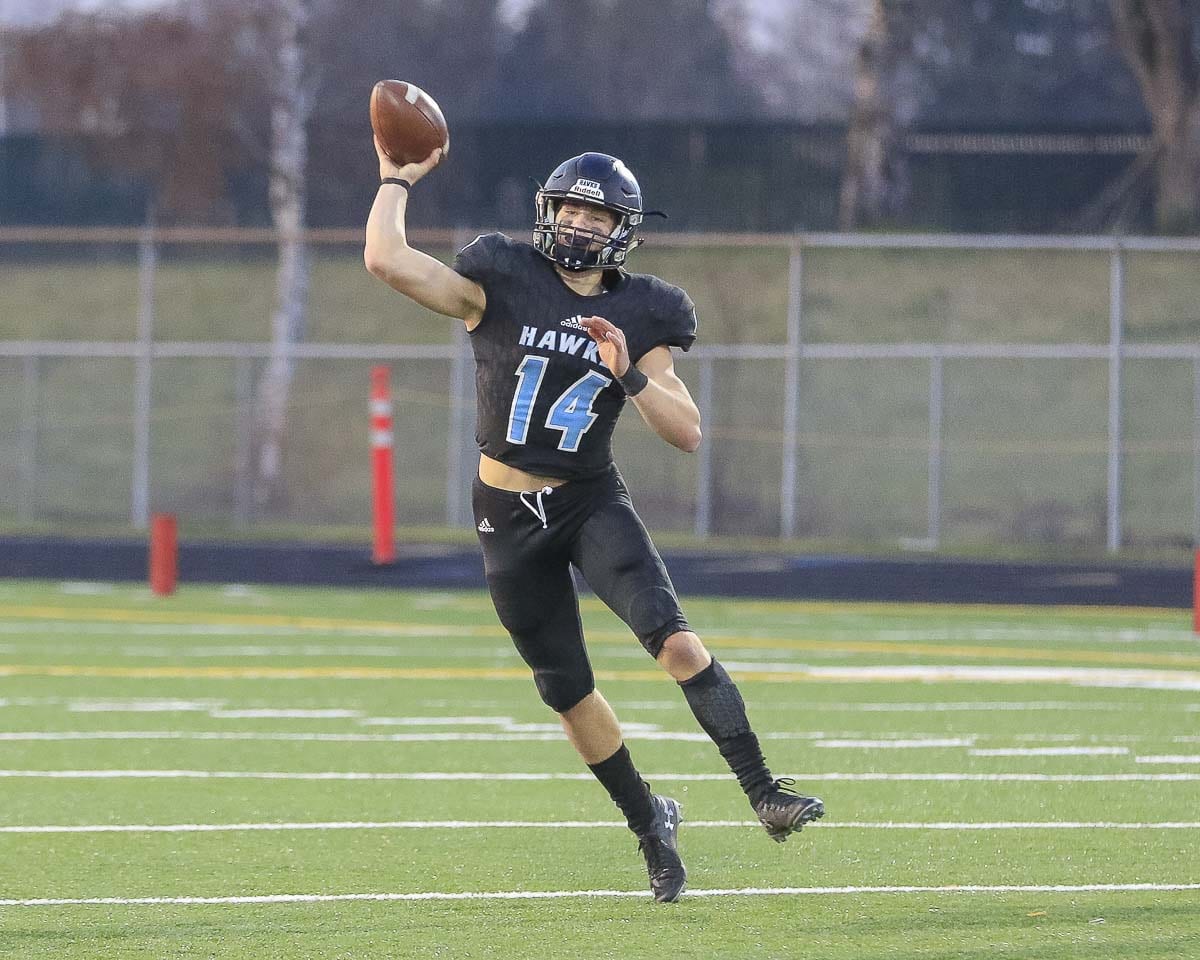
[612, 347]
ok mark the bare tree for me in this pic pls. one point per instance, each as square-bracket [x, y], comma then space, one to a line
[799, 56]
[291, 84]
[151, 96]
[182, 97]
[1157, 37]
[875, 185]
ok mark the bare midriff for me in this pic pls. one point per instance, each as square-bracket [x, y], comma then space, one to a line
[503, 477]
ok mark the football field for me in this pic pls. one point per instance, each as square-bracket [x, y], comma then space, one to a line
[250, 772]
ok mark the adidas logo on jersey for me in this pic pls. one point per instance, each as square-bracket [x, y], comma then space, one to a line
[575, 322]
[485, 526]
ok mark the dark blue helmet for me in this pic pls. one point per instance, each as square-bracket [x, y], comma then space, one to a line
[600, 180]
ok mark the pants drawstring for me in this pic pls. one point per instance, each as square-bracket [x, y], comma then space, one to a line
[538, 510]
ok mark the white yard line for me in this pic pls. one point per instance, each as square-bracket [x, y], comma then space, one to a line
[1172, 758]
[513, 732]
[1110, 677]
[895, 744]
[572, 825]
[144, 705]
[153, 704]
[592, 894]
[673, 777]
[536, 735]
[751, 671]
[979, 706]
[132, 628]
[1052, 752]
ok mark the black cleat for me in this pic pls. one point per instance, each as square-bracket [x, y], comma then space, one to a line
[667, 874]
[783, 811]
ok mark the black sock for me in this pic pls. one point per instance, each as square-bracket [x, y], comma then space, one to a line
[628, 790]
[715, 701]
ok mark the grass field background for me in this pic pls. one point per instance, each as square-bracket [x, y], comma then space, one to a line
[248, 745]
[1024, 441]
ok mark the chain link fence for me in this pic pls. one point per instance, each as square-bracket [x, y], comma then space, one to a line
[856, 390]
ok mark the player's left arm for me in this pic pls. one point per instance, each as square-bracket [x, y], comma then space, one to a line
[664, 402]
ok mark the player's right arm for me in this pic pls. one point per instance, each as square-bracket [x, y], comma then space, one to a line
[417, 275]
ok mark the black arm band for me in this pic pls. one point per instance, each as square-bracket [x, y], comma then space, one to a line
[404, 183]
[633, 380]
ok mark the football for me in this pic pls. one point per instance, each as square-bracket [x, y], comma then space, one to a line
[407, 121]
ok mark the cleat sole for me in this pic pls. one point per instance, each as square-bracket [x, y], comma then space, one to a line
[810, 813]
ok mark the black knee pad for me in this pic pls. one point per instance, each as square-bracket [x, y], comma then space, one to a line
[560, 691]
[654, 615]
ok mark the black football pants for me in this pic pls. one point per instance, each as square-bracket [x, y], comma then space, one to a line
[530, 540]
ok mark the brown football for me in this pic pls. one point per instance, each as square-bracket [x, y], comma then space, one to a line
[407, 121]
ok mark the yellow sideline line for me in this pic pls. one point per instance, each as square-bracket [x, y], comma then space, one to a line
[271, 673]
[719, 640]
[116, 615]
[987, 653]
[1009, 611]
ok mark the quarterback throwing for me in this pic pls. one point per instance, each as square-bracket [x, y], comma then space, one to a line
[563, 337]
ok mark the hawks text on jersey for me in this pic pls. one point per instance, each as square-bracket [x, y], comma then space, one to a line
[547, 404]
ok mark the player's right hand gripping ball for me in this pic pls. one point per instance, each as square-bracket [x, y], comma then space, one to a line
[407, 122]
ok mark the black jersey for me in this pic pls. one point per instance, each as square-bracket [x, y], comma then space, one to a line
[547, 403]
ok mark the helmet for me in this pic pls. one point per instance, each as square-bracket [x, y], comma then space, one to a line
[599, 180]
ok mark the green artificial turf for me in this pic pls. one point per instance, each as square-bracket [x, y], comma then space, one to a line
[334, 692]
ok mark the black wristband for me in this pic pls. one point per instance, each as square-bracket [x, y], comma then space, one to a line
[633, 380]
[403, 183]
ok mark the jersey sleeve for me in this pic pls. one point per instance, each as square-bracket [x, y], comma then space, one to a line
[681, 331]
[481, 259]
[674, 325]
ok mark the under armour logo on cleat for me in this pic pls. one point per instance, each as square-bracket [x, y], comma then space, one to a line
[485, 526]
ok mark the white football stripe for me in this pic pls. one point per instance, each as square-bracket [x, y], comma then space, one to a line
[283, 714]
[894, 744]
[1111, 677]
[1053, 752]
[512, 733]
[983, 706]
[532, 733]
[1175, 758]
[573, 825]
[673, 777]
[566, 894]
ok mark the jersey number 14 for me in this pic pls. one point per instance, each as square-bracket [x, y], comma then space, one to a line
[571, 413]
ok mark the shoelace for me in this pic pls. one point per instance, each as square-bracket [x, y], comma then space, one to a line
[539, 510]
[784, 785]
[654, 850]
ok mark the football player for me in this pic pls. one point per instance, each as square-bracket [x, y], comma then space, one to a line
[562, 337]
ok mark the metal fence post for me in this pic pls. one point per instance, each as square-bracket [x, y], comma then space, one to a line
[936, 403]
[1116, 326]
[455, 495]
[28, 437]
[243, 387]
[703, 523]
[139, 500]
[1196, 453]
[791, 392]
[460, 444]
